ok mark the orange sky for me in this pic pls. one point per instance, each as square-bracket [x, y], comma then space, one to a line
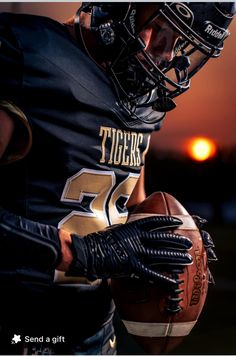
[207, 109]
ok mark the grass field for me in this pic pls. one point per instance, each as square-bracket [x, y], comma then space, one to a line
[215, 332]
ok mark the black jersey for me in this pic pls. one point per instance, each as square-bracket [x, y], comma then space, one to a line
[86, 152]
[84, 161]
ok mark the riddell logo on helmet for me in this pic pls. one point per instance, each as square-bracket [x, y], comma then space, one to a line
[214, 31]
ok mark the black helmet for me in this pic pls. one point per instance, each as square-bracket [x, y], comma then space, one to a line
[202, 29]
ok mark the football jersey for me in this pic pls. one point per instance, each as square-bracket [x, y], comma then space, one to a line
[87, 152]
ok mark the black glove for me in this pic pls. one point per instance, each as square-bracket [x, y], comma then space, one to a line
[132, 249]
[206, 238]
[207, 242]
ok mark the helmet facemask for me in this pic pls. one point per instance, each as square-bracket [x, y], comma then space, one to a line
[142, 79]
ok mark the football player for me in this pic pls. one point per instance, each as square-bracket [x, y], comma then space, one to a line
[78, 103]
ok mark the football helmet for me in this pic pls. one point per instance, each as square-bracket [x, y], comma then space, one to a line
[139, 79]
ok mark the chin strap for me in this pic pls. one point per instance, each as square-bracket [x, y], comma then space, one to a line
[85, 7]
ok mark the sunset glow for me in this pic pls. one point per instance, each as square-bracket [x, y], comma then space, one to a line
[201, 148]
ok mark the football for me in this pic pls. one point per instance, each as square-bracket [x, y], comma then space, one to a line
[146, 309]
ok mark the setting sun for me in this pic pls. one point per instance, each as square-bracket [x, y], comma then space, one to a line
[201, 148]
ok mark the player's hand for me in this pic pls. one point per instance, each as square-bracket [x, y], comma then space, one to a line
[142, 248]
[207, 242]
[206, 238]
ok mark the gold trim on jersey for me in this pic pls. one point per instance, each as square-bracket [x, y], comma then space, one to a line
[21, 142]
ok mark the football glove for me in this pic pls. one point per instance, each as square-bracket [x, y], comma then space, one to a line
[207, 242]
[140, 249]
[206, 238]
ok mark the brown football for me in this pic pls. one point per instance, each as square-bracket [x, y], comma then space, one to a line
[144, 308]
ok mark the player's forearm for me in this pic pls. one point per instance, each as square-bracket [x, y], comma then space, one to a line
[66, 254]
[26, 243]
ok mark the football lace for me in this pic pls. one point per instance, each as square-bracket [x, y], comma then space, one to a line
[173, 301]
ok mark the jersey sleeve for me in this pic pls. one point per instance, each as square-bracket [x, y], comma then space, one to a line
[11, 74]
[11, 61]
